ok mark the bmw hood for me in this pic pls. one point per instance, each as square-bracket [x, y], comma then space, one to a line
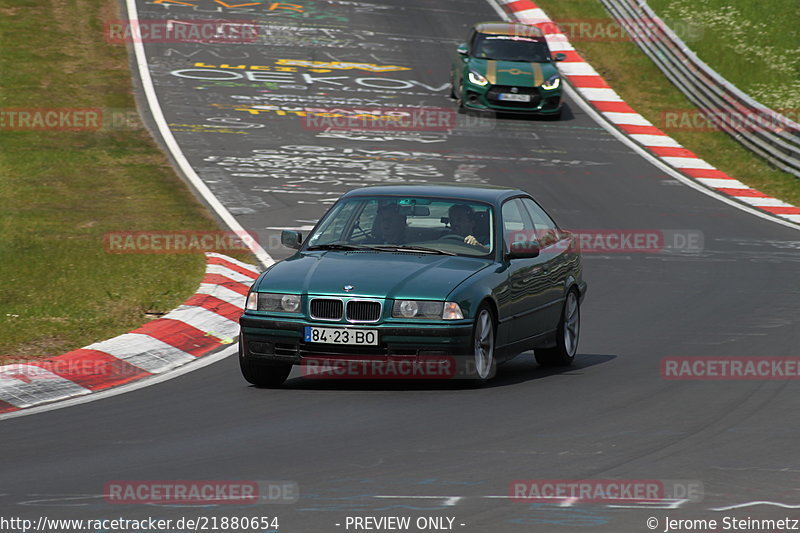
[517, 73]
[371, 274]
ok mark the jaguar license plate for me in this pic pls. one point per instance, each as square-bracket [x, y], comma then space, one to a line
[510, 97]
[359, 337]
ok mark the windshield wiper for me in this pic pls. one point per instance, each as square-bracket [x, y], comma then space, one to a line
[379, 248]
[409, 248]
[338, 246]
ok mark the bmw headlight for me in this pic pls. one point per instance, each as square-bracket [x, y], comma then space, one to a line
[274, 302]
[426, 309]
[477, 78]
[553, 82]
[417, 309]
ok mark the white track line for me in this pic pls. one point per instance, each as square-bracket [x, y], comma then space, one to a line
[172, 145]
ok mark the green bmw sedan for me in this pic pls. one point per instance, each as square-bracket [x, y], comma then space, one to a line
[452, 280]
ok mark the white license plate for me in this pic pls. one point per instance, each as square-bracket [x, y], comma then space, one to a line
[360, 337]
[510, 97]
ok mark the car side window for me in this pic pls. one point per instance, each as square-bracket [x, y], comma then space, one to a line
[546, 228]
[517, 225]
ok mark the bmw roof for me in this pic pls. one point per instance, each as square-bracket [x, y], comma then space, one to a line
[482, 193]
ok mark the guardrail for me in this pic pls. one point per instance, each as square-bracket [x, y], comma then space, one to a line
[760, 129]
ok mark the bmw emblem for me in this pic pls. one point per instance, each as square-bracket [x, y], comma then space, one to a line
[348, 288]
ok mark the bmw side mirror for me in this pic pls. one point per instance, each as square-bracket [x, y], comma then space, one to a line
[524, 249]
[462, 49]
[559, 57]
[291, 239]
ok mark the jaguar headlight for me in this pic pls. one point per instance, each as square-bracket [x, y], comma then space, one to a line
[477, 78]
[553, 82]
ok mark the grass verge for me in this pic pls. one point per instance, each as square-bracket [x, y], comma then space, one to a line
[61, 191]
[639, 82]
[754, 46]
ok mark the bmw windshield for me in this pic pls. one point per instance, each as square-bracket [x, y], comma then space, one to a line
[413, 224]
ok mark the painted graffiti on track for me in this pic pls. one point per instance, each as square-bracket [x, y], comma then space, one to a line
[315, 167]
[383, 136]
[312, 167]
[288, 77]
[305, 10]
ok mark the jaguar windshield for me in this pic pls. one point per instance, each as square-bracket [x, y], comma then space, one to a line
[510, 48]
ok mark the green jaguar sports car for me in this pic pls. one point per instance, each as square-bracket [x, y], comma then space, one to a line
[447, 279]
[507, 67]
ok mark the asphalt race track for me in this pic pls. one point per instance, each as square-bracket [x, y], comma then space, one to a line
[435, 449]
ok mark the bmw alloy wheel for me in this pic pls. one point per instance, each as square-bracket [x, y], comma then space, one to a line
[483, 344]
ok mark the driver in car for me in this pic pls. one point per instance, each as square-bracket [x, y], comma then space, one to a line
[462, 222]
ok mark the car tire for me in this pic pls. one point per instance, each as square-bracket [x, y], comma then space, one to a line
[262, 374]
[567, 336]
[483, 343]
[460, 107]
